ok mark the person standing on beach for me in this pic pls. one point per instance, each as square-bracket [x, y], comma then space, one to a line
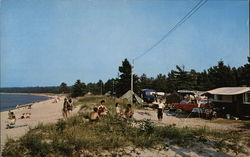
[160, 110]
[65, 109]
[69, 106]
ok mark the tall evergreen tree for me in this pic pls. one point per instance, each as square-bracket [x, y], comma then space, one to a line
[221, 76]
[100, 87]
[145, 82]
[160, 83]
[124, 82]
[203, 82]
[63, 88]
[93, 88]
[244, 74]
[78, 89]
[110, 86]
[181, 79]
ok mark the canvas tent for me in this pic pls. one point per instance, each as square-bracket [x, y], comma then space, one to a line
[128, 95]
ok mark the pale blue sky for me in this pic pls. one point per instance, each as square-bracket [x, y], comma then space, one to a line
[46, 42]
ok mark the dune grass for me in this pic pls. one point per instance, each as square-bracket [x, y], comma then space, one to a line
[74, 136]
[77, 136]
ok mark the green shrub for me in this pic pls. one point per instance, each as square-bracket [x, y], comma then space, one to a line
[35, 145]
[13, 148]
[60, 125]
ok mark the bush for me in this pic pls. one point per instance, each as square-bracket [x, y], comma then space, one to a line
[60, 125]
[35, 145]
[13, 148]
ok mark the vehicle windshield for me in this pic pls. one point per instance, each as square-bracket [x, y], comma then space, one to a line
[204, 102]
[184, 101]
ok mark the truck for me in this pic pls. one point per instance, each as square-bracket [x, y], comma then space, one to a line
[148, 95]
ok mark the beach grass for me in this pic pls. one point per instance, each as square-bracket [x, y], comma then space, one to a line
[87, 103]
[74, 136]
[77, 136]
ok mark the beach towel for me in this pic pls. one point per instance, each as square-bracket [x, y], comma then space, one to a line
[15, 126]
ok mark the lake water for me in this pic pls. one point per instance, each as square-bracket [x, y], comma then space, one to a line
[9, 101]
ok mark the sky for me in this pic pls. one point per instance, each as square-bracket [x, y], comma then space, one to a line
[46, 42]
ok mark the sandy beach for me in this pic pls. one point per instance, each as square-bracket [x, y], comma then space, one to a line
[41, 112]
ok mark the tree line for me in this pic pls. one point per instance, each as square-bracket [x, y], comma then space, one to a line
[220, 75]
[51, 89]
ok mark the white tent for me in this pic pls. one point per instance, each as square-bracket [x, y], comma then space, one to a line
[128, 95]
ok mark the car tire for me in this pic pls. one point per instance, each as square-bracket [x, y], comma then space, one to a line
[179, 109]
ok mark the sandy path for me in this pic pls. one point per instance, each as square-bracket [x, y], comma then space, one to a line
[195, 151]
[41, 112]
[182, 122]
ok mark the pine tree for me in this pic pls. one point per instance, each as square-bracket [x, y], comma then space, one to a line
[124, 82]
[221, 76]
[243, 74]
[78, 89]
[63, 88]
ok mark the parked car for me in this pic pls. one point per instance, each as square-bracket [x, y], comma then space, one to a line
[188, 105]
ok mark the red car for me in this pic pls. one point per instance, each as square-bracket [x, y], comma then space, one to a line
[187, 105]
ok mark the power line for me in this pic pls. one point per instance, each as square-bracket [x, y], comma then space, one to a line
[186, 17]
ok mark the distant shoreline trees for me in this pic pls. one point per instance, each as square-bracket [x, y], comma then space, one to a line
[217, 76]
[63, 88]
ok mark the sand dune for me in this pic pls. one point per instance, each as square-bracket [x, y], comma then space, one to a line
[41, 112]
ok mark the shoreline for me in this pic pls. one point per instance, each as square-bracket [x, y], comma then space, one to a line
[38, 94]
[48, 95]
[46, 111]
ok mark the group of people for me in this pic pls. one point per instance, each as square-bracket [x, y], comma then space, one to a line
[12, 117]
[67, 107]
[102, 111]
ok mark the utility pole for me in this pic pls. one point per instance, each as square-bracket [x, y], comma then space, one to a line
[132, 82]
[101, 88]
[113, 88]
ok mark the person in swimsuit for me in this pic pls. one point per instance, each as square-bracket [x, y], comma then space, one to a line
[93, 117]
[102, 109]
[65, 110]
[128, 112]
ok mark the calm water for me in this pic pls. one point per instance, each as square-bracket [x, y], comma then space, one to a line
[9, 101]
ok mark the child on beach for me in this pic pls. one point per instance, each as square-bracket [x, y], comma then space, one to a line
[102, 109]
[118, 110]
[129, 112]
